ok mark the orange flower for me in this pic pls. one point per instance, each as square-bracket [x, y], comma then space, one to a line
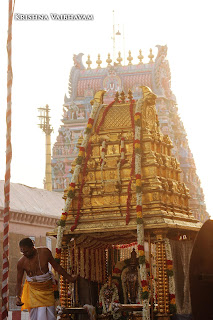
[137, 145]
[141, 253]
[145, 288]
[81, 153]
[138, 182]
[137, 117]
[139, 214]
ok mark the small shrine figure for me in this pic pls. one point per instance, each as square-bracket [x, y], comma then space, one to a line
[109, 299]
[130, 281]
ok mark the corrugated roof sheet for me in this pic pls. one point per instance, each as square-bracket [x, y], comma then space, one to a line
[32, 200]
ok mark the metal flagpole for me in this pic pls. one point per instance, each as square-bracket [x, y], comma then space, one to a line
[5, 266]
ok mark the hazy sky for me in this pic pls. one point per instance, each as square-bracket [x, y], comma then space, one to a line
[42, 59]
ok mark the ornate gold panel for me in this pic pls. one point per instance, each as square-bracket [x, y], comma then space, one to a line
[95, 151]
[111, 162]
[87, 202]
[97, 201]
[117, 117]
[87, 190]
[129, 148]
[90, 176]
[125, 173]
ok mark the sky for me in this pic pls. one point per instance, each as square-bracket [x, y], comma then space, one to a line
[42, 56]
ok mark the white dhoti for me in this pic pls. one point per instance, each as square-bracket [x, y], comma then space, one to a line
[42, 313]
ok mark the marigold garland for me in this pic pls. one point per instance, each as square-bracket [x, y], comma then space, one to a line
[103, 151]
[123, 246]
[145, 290]
[89, 126]
[122, 152]
[89, 150]
[122, 160]
[128, 202]
[71, 188]
[170, 273]
[140, 225]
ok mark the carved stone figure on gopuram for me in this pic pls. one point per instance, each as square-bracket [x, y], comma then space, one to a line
[126, 228]
[84, 82]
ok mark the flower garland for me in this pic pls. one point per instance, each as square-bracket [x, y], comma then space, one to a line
[170, 273]
[122, 151]
[89, 150]
[128, 202]
[115, 299]
[103, 152]
[122, 160]
[140, 224]
[123, 246]
[102, 162]
[71, 189]
[89, 126]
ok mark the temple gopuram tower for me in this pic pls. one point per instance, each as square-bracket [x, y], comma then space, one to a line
[84, 82]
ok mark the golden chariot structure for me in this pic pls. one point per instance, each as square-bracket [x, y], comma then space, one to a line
[126, 228]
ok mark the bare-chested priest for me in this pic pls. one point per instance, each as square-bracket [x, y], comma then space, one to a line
[37, 295]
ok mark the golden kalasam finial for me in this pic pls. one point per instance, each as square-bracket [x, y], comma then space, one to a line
[98, 97]
[99, 62]
[130, 58]
[150, 56]
[119, 59]
[148, 95]
[123, 97]
[116, 97]
[130, 96]
[109, 60]
[140, 57]
[88, 62]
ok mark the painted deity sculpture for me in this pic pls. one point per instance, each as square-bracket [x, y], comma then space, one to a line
[130, 281]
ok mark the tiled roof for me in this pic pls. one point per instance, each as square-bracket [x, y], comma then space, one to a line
[32, 200]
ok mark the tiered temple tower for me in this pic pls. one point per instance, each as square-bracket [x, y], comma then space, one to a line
[84, 82]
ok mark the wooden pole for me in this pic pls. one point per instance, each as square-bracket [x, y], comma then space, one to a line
[5, 265]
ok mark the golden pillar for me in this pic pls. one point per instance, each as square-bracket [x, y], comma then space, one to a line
[162, 279]
[64, 285]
